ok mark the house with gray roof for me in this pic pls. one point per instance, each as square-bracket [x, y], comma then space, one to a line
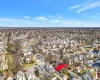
[39, 70]
[20, 76]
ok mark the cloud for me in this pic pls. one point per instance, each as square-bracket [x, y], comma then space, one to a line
[79, 5]
[60, 17]
[57, 16]
[86, 6]
[54, 20]
[13, 22]
[8, 20]
[4, 19]
[41, 18]
[65, 22]
[51, 16]
[72, 22]
[26, 17]
[89, 6]
[84, 14]
[91, 17]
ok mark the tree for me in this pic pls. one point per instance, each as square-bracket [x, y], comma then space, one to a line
[0, 68]
[16, 52]
[14, 49]
[9, 61]
[49, 57]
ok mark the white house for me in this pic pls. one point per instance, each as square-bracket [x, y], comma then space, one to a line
[30, 75]
[10, 78]
[20, 76]
[3, 62]
[65, 77]
[27, 50]
[39, 59]
[3, 66]
[55, 78]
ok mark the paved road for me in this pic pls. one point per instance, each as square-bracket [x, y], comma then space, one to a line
[58, 75]
[1, 77]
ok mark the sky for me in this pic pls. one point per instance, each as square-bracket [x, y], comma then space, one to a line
[50, 13]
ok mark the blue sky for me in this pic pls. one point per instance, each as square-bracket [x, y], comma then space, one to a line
[50, 13]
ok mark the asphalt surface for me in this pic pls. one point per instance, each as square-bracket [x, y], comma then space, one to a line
[1, 77]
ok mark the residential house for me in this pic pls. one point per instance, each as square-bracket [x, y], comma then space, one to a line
[39, 70]
[3, 66]
[76, 58]
[2, 45]
[27, 59]
[55, 78]
[9, 76]
[65, 77]
[20, 76]
[96, 51]
[71, 60]
[48, 67]
[39, 59]
[27, 50]
[80, 57]
[74, 75]
[3, 62]
[30, 75]
[66, 60]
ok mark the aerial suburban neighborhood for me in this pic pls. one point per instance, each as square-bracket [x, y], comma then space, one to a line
[50, 53]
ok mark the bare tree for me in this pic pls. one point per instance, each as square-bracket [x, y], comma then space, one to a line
[14, 49]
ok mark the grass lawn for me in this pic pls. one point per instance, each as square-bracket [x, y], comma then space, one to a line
[28, 65]
[4, 72]
[93, 72]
